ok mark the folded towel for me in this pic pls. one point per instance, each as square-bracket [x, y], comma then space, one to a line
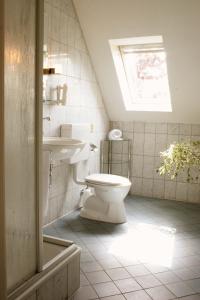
[115, 134]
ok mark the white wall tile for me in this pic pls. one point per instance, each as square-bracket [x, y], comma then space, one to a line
[170, 190]
[194, 193]
[150, 127]
[195, 137]
[148, 167]
[157, 164]
[185, 129]
[160, 143]
[182, 176]
[127, 126]
[171, 139]
[147, 187]
[68, 52]
[158, 189]
[138, 143]
[136, 188]
[184, 138]
[139, 127]
[181, 191]
[149, 140]
[196, 129]
[149, 144]
[161, 128]
[173, 128]
[71, 31]
[137, 165]
[116, 169]
[128, 135]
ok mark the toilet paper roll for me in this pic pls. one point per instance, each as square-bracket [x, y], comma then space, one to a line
[115, 134]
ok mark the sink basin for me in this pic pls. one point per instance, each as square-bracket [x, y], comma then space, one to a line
[62, 148]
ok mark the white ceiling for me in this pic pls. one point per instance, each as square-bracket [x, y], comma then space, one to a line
[178, 21]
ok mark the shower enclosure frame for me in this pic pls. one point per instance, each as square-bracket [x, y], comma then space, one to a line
[38, 129]
[2, 168]
[69, 259]
[39, 20]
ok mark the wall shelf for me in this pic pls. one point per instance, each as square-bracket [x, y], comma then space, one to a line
[54, 89]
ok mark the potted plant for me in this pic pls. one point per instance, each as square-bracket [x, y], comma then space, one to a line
[181, 157]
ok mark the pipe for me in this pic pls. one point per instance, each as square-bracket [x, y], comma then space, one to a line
[75, 175]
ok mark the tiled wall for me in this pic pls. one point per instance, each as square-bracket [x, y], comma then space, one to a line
[67, 52]
[148, 140]
[116, 157]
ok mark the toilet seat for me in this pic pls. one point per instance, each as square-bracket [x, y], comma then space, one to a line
[107, 180]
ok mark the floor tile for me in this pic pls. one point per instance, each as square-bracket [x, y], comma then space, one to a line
[160, 293]
[129, 268]
[194, 284]
[127, 261]
[127, 285]
[192, 260]
[118, 273]
[91, 266]
[156, 268]
[180, 289]
[167, 277]
[86, 257]
[109, 263]
[106, 289]
[148, 281]
[186, 274]
[85, 293]
[192, 297]
[116, 297]
[83, 280]
[138, 295]
[102, 255]
[97, 277]
[137, 270]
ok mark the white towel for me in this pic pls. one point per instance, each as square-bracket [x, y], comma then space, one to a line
[115, 134]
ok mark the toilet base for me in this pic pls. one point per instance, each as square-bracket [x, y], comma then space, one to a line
[97, 209]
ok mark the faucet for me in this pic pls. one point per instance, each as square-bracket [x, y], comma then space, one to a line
[93, 148]
[47, 118]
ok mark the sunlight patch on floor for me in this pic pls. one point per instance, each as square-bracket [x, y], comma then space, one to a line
[147, 243]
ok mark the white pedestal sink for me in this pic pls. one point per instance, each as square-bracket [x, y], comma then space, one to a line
[56, 149]
[62, 148]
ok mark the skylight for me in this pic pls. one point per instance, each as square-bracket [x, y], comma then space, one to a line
[142, 72]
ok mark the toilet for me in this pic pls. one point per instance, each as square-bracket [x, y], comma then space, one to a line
[107, 202]
[102, 199]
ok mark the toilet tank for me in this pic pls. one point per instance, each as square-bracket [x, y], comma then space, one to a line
[80, 131]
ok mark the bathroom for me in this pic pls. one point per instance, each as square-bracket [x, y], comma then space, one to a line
[71, 135]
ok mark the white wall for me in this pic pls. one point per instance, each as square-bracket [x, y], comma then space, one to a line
[66, 48]
[178, 21]
[148, 140]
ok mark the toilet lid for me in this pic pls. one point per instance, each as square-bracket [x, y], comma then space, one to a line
[107, 179]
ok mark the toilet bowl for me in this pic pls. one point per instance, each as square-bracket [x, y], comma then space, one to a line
[103, 197]
[106, 203]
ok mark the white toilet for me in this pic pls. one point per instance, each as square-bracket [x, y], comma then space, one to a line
[103, 197]
[107, 202]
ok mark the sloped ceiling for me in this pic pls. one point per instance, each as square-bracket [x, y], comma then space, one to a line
[178, 21]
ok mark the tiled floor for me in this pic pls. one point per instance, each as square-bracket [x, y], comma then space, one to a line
[155, 255]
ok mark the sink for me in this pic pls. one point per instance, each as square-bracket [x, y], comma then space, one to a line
[61, 147]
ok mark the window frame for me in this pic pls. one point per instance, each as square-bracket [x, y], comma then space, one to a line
[142, 44]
